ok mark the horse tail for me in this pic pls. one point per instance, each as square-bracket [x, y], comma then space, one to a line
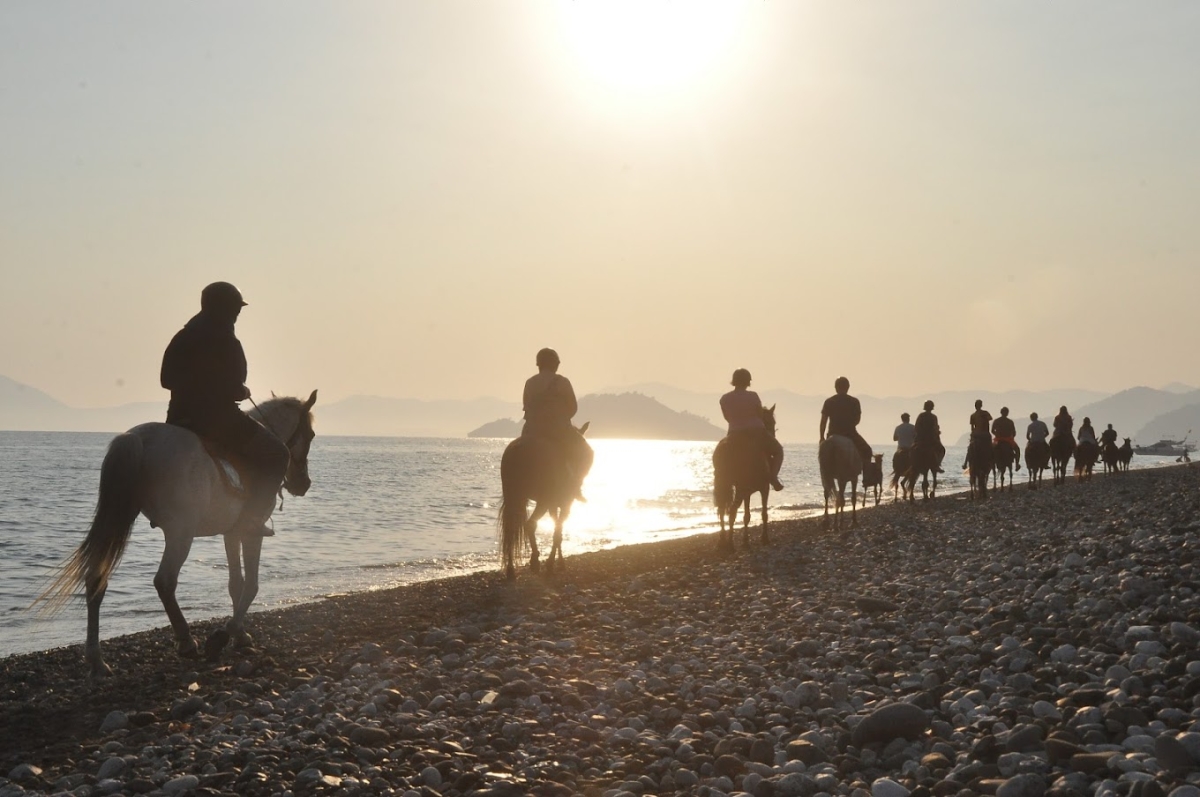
[117, 507]
[722, 482]
[824, 457]
[510, 522]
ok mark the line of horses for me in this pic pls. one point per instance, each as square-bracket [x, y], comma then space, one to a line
[167, 474]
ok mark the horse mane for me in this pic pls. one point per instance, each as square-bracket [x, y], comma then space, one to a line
[276, 404]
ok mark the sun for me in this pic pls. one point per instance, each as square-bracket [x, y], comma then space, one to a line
[649, 45]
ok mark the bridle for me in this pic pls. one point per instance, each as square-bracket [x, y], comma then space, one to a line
[291, 441]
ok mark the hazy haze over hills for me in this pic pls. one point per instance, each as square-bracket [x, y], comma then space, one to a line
[26, 408]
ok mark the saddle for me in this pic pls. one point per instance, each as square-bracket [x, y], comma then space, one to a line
[233, 470]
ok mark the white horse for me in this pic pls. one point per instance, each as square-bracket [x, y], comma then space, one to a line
[165, 473]
[840, 463]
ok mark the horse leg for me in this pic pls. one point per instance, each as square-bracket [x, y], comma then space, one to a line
[763, 536]
[531, 536]
[746, 519]
[560, 517]
[95, 596]
[243, 587]
[175, 553]
[854, 503]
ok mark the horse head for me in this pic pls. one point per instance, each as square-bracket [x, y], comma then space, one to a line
[768, 417]
[290, 419]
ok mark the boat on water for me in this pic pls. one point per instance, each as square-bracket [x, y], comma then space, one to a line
[1166, 448]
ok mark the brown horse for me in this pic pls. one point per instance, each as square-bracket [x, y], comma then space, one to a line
[741, 469]
[920, 460]
[1037, 459]
[1111, 456]
[872, 478]
[900, 461]
[1125, 454]
[840, 463]
[1004, 457]
[1086, 454]
[1061, 449]
[533, 468]
[980, 461]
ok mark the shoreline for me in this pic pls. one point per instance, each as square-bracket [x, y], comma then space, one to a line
[791, 611]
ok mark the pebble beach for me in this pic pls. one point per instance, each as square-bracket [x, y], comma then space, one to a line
[1038, 644]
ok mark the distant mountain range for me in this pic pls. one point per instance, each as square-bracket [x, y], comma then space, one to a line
[643, 410]
[629, 416]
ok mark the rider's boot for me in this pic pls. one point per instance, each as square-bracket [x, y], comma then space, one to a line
[775, 483]
[255, 514]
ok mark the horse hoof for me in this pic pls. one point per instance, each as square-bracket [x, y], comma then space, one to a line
[99, 671]
[510, 573]
[188, 648]
[215, 644]
[242, 640]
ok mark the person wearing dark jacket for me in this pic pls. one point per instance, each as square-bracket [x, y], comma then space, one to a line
[929, 433]
[204, 367]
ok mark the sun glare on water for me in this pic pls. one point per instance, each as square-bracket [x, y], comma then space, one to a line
[641, 490]
[649, 45]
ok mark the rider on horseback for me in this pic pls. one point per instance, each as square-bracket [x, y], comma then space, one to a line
[981, 421]
[842, 412]
[1005, 431]
[929, 433]
[1036, 432]
[204, 367]
[743, 410]
[1108, 436]
[1063, 423]
[549, 402]
[905, 434]
[1086, 433]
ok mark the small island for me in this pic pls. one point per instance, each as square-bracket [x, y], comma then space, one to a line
[630, 416]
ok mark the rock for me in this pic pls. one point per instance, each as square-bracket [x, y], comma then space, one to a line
[112, 768]
[367, 736]
[801, 750]
[1028, 785]
[1024, 738]
[431, 777]
[889, 722]
[762, 751]
[873, 605]
[1186, 790]
[181, 784]
[114, 721]
[1184, 633]
[187, 707]
[1172, 756]
[886, 787]
[1091, 762]
[24, 772]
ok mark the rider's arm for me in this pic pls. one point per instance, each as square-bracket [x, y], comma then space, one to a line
[824, 420]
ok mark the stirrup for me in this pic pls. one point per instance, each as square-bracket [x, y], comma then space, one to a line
[775, 483]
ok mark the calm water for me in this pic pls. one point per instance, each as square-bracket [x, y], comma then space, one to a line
[381, 512]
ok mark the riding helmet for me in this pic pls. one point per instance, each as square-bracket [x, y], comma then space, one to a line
[221, 297]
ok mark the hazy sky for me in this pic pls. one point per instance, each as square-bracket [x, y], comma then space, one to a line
[415, 197]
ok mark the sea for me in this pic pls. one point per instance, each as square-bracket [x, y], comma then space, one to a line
[382, 512]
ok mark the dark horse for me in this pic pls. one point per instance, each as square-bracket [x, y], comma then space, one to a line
[1086, 454]
[1037, 459]
[840, 463]
[741, 469]
[900, 461]
[872, 478]
[1111, 456]
[1004, 456]
[534, 469]
[919, 461]
[980, 460]
[1061, 449]
[1125, 454]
